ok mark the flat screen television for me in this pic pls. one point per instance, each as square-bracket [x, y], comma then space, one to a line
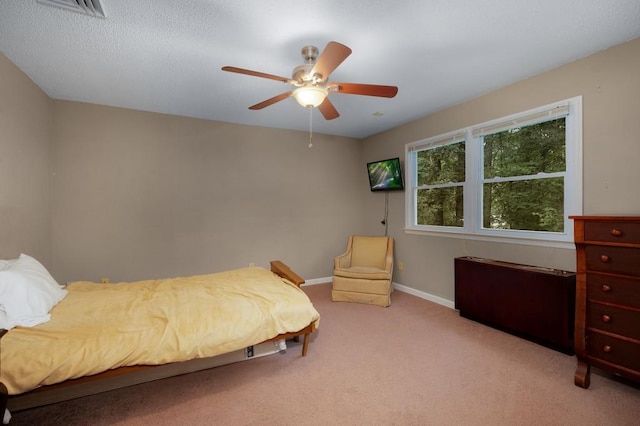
[385, 175]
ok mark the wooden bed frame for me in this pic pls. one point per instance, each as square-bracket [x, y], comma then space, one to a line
[127, 376]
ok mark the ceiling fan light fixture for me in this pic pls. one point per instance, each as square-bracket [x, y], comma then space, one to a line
[310, 96]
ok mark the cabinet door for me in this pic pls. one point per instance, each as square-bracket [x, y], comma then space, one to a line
[613, 319]
[615, 260]
[613, 350]
[612, 231]
[611, 289]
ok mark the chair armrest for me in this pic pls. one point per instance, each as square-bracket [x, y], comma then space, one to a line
[342, 261]
[388, 266]
[389, 259]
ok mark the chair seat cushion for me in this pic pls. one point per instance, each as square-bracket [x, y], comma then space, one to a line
[359, 285]
[364, 272]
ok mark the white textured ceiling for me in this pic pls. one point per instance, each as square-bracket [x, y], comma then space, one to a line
[165, 55]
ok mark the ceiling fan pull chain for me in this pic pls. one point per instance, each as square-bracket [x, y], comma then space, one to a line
[310, 125]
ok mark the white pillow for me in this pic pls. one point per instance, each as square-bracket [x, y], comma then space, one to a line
[4, 264]
[27, 293]
[3, 319]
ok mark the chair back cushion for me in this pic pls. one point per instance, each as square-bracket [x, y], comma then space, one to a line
[369, 251]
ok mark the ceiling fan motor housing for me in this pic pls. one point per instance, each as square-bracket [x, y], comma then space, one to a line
[309, 54]
[302, 73]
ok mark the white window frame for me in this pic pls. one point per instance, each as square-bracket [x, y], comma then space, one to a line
[571, 109]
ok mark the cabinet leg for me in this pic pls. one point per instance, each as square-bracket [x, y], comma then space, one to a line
[582, 377]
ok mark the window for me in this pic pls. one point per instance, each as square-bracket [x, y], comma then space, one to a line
[440, 185]
[512, 179]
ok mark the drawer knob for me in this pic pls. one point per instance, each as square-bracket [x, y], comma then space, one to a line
[605, 288]
[606, 318]
[607, 348]
[604, 258]
[616, 232]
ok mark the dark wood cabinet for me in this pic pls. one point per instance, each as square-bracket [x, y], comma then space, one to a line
[607, 328]
[531, 302]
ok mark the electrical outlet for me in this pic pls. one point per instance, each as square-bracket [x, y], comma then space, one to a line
[104, 280]
[251, 265]
[400, 266]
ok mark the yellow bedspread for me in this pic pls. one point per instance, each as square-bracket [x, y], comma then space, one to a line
[98, 327]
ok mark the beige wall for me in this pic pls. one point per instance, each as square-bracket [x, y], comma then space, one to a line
[95, 191]
[610, 85]
[141, 195]
[138, 195]
[25, 196]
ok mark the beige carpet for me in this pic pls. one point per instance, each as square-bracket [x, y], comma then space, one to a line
[414, 363]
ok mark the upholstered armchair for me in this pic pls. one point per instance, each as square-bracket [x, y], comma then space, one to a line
[363, 273]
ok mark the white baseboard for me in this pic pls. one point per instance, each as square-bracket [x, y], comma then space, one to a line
[403, 288]
[314, 281]
[424, 295]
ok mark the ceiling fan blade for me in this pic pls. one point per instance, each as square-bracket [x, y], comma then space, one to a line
[332, 56]
[256, 74]
[363, 89]
[329, 112]
[271, 101]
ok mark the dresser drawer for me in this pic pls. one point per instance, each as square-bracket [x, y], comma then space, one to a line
[616, 260]
[610, 289]
[615, 351]
[612, 231]
[625, 322]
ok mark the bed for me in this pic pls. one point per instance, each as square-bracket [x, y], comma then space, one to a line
[171, 326]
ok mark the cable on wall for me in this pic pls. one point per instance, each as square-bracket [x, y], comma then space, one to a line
[384, 221]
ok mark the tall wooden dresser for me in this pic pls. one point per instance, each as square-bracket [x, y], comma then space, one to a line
[607, 328]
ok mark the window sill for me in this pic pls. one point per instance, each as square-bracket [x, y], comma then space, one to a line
[566, 245]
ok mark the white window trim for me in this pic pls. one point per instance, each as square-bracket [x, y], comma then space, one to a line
[472, 228]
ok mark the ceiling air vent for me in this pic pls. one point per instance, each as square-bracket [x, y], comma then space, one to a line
[86, 7]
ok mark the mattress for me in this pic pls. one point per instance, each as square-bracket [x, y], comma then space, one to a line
[98, 327]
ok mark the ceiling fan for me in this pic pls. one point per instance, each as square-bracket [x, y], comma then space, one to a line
[310, 81]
